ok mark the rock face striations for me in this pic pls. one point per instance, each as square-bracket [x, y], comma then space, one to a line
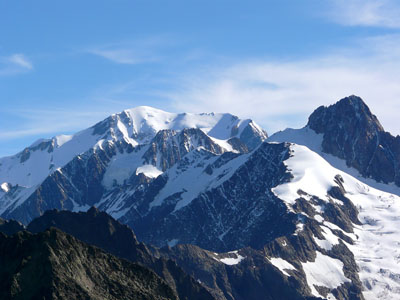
[351, 132]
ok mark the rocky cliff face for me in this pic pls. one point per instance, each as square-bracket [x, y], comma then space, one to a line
[235, 198]
[99, 229]
[55, 265]
[351, 132]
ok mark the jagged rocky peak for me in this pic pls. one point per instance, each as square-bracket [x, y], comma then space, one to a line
[348, 114]
[351, 132]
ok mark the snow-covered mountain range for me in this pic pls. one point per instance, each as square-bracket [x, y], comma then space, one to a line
[142, 140]
[318, 207]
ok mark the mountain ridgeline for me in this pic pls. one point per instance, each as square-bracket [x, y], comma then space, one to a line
[219, 209]
[55, 265]
[118, 154]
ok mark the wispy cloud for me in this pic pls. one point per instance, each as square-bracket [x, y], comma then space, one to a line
[280, 94]
[377, 13]
[277, 94]
[21, 61]
[133, 52]
[123, 55]
[14, 64]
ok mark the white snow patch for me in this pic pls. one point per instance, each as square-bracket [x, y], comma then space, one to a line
[282, 265]
[331, 297]
[311, 174]
[62, 139]
[319, 218]
[324, 271]
[5, 187]
[329, 241]
[223, 144]
[149, 171]
[231, 260]
[335, 227]
[299, 227]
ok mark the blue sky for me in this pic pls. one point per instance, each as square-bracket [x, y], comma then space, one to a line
[66, 65]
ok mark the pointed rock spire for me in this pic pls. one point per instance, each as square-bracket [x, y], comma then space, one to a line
[351, 132]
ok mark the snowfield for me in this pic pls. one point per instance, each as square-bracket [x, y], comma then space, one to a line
[376, 242]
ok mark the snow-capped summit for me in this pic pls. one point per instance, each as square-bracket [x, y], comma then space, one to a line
[121, 133]
[139, 125]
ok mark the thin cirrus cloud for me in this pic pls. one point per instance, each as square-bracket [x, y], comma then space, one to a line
[133, 52]
[375, 13]
[14, 64]
[282, 94]
[21, 61]
[123, 56]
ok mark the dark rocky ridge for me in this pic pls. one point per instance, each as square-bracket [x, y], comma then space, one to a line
[351, 132]
[99, 229]
[9, 227]
[55, 265]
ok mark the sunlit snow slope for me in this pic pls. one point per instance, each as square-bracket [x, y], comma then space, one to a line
[376, 244]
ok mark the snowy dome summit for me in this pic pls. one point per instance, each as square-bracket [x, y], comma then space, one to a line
[139, 125]
[24, 172]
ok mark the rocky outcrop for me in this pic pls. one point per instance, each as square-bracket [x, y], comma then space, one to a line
[351, 132]
[101, 230]
[9, 227]
[55, 265]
